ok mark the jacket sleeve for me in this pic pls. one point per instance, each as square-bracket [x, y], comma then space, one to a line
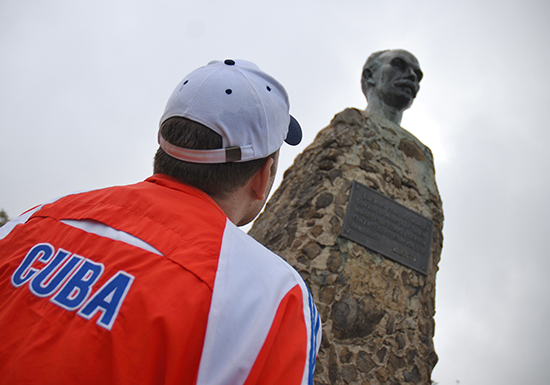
[288, 354]
[262, 325]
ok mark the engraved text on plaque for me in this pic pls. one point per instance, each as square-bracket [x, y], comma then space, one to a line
[387, 227]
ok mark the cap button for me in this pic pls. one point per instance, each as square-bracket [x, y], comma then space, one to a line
[229, 62]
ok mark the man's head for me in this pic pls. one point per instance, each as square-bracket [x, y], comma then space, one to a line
[391, 78]
[248, 108]
[216, 179]
[221, 125]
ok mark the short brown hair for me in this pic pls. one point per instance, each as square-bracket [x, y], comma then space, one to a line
[216, 179]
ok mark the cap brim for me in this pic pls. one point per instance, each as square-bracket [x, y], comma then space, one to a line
[294, 135]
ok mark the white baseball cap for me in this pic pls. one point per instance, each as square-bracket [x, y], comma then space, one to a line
[247, 107]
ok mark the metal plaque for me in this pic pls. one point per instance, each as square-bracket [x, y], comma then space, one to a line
[387, 227]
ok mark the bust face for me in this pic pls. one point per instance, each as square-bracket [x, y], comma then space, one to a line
[397, 78]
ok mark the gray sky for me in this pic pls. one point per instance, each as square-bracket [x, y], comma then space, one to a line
[83, 84]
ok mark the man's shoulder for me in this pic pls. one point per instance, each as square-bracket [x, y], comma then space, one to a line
[257, 258]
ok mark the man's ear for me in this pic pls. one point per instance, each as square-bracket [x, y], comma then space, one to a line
[260, 181]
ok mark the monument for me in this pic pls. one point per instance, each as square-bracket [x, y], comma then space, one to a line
[359, 215]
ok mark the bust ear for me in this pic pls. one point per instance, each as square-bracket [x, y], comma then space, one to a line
[367, 74]
[368, 77]
[366, 81]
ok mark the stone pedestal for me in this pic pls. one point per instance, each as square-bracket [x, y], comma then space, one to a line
[377, 314]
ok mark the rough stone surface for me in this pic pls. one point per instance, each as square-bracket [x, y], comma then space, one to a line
[377, 314]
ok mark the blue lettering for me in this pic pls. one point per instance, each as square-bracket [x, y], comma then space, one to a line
[108, 299]
[43, 285]
[78, 287]
[42, 252]
[70, 279]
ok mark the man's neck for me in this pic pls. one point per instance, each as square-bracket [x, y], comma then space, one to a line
[231, 206]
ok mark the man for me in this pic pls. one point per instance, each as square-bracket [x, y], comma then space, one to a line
[153, 283]
[390, 82]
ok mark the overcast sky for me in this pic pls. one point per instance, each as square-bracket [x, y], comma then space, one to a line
[83, 84]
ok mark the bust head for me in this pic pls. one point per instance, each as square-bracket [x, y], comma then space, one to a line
[390, 82]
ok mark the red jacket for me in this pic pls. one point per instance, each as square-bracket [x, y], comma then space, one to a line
[149, 284]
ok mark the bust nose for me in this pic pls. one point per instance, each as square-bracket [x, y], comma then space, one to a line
[410, 75]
